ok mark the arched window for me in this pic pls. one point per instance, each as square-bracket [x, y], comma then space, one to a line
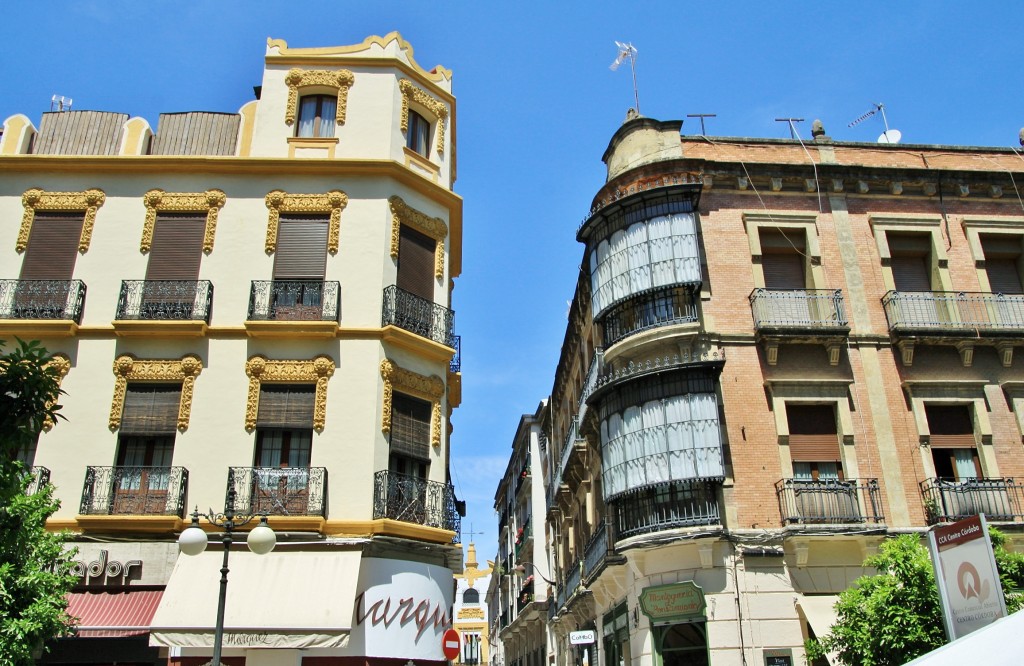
[418, 136]
[470, 596]
[317, 114]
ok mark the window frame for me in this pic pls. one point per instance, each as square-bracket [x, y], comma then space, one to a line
[925, 393]
[976, 227]
[883, 225]
[320, 122]
[785, 222]
[815, 392]
[418, 135]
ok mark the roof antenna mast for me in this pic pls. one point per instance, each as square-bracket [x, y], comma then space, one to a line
[702, 116]
[889, 135]
[627, 50]
[60, 103]
[792, 127]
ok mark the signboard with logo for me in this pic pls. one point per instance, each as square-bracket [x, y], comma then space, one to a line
[585, 637]
[678, 602]
[966, 575]
[778, 656]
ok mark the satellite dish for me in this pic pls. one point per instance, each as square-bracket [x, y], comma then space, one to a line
[890, 136]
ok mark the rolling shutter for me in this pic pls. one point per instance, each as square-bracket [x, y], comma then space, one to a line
[416, 263]
[410, 426]
[52, 246]
[301, 248]
[813, 435]
[286, 406]
[909, 263]
[1003, 277]
[783, 271]
[151, 409]
[177, 247]
[951, 426]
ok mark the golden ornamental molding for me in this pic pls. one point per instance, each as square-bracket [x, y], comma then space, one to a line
[402, 213]
[36, 199]
[61, 365]
[429, 388]
[410, 93]
[158, 201]
[260, 369]
[128, 368]
[332, 202]
[342, 79]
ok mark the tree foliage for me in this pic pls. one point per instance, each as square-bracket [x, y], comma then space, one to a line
[34, 567]
[894, 616]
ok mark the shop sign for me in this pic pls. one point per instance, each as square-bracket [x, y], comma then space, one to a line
[966, 575]
[678, 601]
[581, 637]
[778, 657]
[110, 572]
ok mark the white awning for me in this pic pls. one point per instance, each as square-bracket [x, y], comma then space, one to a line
[820, 613]
[279, 600]
[998, 644]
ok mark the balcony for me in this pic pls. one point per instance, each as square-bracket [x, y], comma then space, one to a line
[662, 306]
[59, 303]
[803, 316]
[417, 315]
[667, 506]
[829, 501]
[523, 536]
[40, 477]
[411, 499]
[1001, 500]
[162, 306]
[280, 491]
[600, 550]
[134, 491]
[956, 318]
[455, 365]
[290, 307]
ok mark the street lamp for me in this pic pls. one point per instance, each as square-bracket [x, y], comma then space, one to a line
[193, 541]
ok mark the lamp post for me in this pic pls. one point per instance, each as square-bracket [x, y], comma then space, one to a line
[193, 541]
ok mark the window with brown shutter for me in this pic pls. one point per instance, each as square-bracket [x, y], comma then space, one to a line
[910, 261]
[410, 426]
[1002, 259]
[286, 406]
[951, 426]
[782, 259]
[416, 262]
[150, 409]
[177, 247]
[52, 246]
[813, 435]
[301, 252]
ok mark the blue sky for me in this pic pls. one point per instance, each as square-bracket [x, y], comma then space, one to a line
[537, 105]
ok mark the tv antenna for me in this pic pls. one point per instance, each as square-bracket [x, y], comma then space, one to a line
[889, 135]
[702, 116]
[792, 127]
[60, 103]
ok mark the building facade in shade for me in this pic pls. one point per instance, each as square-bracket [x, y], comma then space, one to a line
[470, 611]
[777, 355]
[257, 301]
[521, 594]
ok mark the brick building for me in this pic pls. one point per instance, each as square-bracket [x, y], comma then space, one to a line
[777, 355]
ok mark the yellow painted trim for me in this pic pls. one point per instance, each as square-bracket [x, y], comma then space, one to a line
[248, 113]
[145, 327]
[36, 199]
[62, 524]
[413, 95]
[332, 202]
[291, 329]
[12, 137]
[428, 388]
[454, 390]
[421, 346]
[414, 160]
[260, 369]
[317, 54]
[340, 80]
[145, 524]
[307, 143]
[61, 364]
[134, 141]
[388, 527]
[128, 368]
[62, 328]
[402, 213]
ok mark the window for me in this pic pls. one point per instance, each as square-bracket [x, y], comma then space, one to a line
[683, 644]
[410, 435]
[910, 261]
[470, 645]
[954, 449]
[814, 442]
[417, 138]
[416, 262]
[145, 448]
[471, 596]
[49, 263]
[317, 115]
[284, 443]
[1002, 262]
[172, 272]
[300, 261]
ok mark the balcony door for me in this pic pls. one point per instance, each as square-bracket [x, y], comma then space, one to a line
[409, 459]
[783, 266]
[1002, 266]
[300, 263]
[284, 446]
[49, 264]
[819, 490]
[173, 267]
[416, 263]
[912, 277]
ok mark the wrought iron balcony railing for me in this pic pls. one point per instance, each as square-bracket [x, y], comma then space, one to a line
[280, 491]
[946, 500]
[455, 365]
[165, 300]
[40, 477]
[829, 501]
[599, 547]
[573, 576]
[415, 500]
[792, 310]
[662, 306]
[424, 318]
[948, 312]
[134, 491]
[294, 300]
[667, 506]
[42, 299]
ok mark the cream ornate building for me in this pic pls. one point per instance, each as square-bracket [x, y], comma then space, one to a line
[777, 356]
[259, 301]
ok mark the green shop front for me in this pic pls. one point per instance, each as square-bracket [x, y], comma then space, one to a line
[678, 621]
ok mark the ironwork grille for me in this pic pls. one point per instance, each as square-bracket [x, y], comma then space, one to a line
[671, 505]
[414, 500]
[800, 309]
[142, 491]
[949, 501]
[829, 501]
[42, 299]
[649, 309]
[418, 315]
[954, 311]
[279, 491]
[163, 300]
[294, 300]
[40, 477]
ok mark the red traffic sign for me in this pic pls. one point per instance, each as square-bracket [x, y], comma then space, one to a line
[450, 644]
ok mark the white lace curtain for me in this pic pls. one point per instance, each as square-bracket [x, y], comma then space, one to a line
[673, 439]
[658, 252]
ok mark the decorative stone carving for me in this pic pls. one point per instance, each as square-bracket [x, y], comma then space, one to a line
[260, 369]
[158, 201]
[60, 364]
[332, 202]
[402, 213]
[128, 368]
[429, 388]
[341, 79]
[36, 199]
[410, 93]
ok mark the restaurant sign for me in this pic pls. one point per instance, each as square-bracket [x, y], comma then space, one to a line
[673, 603]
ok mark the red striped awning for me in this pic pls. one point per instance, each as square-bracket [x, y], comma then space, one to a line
[113, 614]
